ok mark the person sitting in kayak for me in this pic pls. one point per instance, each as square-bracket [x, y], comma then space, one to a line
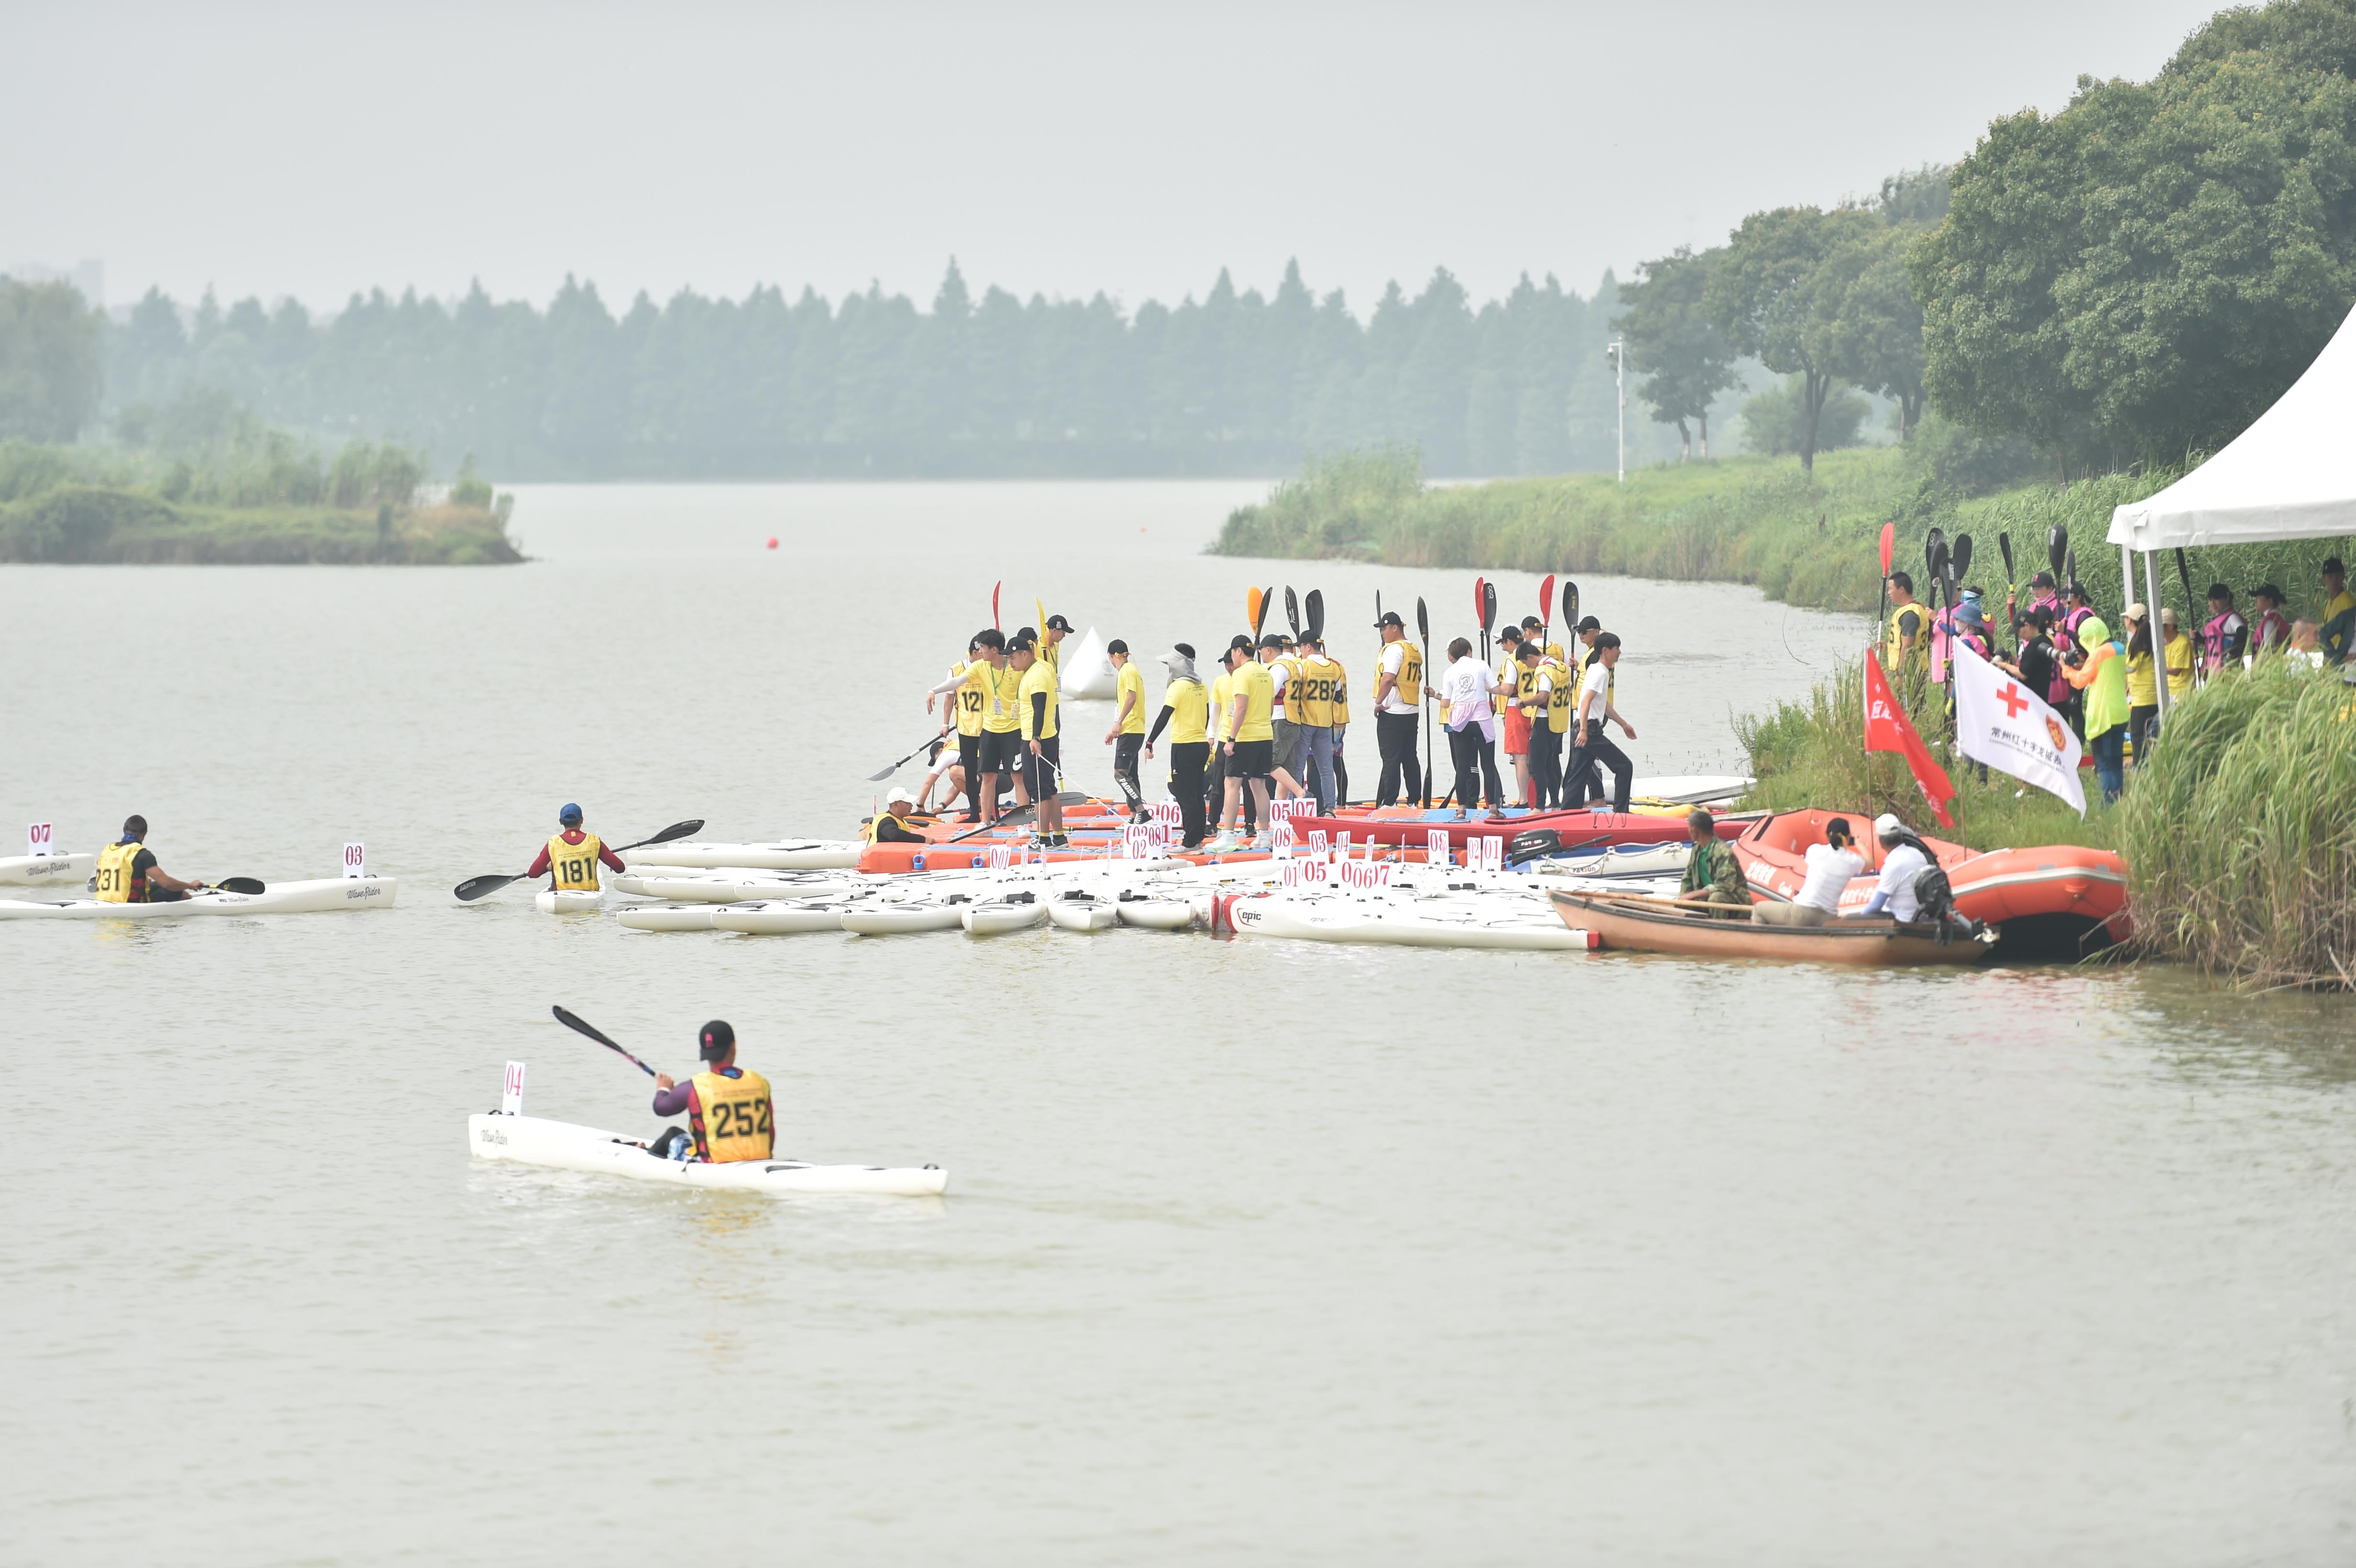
[894, 824]
[128, 874]
[570, 860]
[1713, 875]
[730, 1116]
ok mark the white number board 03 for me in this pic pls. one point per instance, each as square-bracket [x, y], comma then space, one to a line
[356, 859]
[40, 838]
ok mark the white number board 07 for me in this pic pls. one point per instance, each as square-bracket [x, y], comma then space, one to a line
[40, 838]
[356, 859]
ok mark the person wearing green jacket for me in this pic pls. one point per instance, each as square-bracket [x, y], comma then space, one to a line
[2100, 670]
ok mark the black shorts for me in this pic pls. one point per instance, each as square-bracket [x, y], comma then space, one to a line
[1046, 779]
[1001, 750]
[1252, 760]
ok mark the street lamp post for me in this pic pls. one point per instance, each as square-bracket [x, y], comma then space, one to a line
[1618, 349]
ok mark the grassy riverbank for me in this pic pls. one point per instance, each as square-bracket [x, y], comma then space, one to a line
[86, 525]
[1805, 538]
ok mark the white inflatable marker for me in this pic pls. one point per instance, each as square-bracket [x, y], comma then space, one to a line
[40, 839]
[355, 859]
[511, 1096]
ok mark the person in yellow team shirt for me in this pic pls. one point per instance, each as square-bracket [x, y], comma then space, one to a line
[2335, 622]
[570, 860]
[1001, 726]
[128, 874]
[1214, 777]
[1341, 678]
[730, 1113]
[1127, 736]
[1186, 712]
[1312, 710]
[1251, 745]
[1036, 705]
[2176, 653]
[968, 690]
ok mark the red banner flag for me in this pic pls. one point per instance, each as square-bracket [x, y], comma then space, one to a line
[1887, 730]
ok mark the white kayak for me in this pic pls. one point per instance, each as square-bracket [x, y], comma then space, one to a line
[668, 917]
[728, 888]
[1082, 911]
[530, 1140]
[46, 871]
[1619, 861]
[1688, 789]
[996, 917]
[1406, 921]
[899, 917]
[1155, 914]
[313, 897]
[567, 900]
[781, 917]
[787, 854]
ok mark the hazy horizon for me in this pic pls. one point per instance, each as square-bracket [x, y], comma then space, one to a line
[274, 153]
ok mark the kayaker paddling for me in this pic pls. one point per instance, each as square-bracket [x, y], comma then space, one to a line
[729, 1113]
[127, 872]
[570, 860]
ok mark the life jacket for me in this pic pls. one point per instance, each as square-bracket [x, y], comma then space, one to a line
[1312, 687]
[1893, 635]
[1289, 693]
[732, 1118]
[2220, 639]
[1558, 693]
[1408, 688]
[971, 695]
[912, 822]
[2271, 630]
[574, 866]
[117, 884]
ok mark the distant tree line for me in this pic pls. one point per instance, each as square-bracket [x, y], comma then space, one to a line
[770, 387]
[2134, 279]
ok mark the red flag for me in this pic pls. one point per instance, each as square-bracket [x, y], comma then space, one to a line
[1887, 730]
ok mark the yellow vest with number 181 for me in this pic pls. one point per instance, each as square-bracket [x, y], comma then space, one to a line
[574, 866]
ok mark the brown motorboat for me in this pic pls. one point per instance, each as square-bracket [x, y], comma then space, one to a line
[1636, 924]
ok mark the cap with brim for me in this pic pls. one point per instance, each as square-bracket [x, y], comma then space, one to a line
[1588, 624]
[899, 796]
[1391, 618]
[1887, 825]
[2042, 580]
[568, 813]
[1057, 624]
[2138, 610]
[715, 1040]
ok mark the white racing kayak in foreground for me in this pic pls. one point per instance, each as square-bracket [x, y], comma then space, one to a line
[788, 855]
[46, 871]
[313, 897]
[530, 1140]
[567, 900]
[684, 886]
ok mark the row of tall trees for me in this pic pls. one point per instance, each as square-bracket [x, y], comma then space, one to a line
[768, 386]
[49, 367]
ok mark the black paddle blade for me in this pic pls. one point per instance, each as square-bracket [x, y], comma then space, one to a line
[1488, 607]
[239, 884]
[1962, 554]
[474, 888]
[2054, 541]
[1266, 596]
[1569, 604]
[1292, 610]
[675, 830]
[2004, 549]
[1422, 619]
[1933, 543]
[1316, 607]
[2069, 565]
[1532, 845]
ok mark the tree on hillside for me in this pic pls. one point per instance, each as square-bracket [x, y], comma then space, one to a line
[1683, 357]
[1918, 196]
[1769, 298]
[49, 367]
[2145, 272]
[1876, 339]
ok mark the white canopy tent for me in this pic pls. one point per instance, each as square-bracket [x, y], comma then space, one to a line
[2291, 475]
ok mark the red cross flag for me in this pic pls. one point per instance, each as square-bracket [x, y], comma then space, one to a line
[2003, 723]
[1887, 730]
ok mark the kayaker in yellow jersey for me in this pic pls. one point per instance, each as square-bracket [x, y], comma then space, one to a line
[730, 1113]
[1398, 710]
[1001, 726]
[1036, 700]
[1186, 711]
[1127, 736]
[1251, 745]
[570, 860]
[128, 874]
[1532, 627]
[1214, 778]
[2335, 622]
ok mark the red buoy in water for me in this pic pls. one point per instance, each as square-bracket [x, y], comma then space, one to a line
[773, 542]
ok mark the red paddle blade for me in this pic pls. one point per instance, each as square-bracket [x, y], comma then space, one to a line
[1480, 587]
[993, 604]
[1888, 543]
[1545, 599]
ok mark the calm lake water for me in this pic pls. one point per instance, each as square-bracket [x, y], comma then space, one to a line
[1254, 1253]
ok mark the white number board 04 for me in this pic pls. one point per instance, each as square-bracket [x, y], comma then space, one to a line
[356, 859]
[511, 1096]
[40, 838]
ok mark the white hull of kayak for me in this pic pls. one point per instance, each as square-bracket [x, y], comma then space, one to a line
[729, 890]
[668, 917]
[568, 900]
[791, 855]
[562, 1146]
[1082, 914]
[1156, 914]
[780, 917]
[1405, 923]
[889, 917]
[314, 897]
[1687, 789]
[999, 919]
[46, 871]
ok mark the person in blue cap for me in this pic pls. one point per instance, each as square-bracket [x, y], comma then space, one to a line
[570, 860]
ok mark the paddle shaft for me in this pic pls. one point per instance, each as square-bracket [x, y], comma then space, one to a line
[581, 1026]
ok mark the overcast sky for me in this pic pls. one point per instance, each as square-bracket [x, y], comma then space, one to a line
[314, 149]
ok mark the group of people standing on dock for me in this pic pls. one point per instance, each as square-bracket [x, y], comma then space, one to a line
[1269, 721]
[2104, 679]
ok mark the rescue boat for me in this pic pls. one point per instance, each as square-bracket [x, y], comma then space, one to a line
[1662, 925]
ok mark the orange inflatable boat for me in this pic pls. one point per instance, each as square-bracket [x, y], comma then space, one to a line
[2058, 898]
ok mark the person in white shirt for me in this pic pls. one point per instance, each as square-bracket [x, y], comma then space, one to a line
[1903, 859]
[1398, 708]
[1466, 688]
[1593, 708]
[1832, 866]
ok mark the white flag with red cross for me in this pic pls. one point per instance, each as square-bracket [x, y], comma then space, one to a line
[2003, 723]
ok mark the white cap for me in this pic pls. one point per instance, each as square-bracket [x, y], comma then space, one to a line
[899, 796]
[1888, 827]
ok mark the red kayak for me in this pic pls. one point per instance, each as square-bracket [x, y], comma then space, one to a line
[1576, 828]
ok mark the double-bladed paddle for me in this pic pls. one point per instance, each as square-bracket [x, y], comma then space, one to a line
[580, 1024]
[1292, 612]
[1488, 615]
[1545, 609]
[1316, 606]
[1536, 842]
[888, 769]
[1423, 630]
[1019, 816]
[239, 884]
[474, 888]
